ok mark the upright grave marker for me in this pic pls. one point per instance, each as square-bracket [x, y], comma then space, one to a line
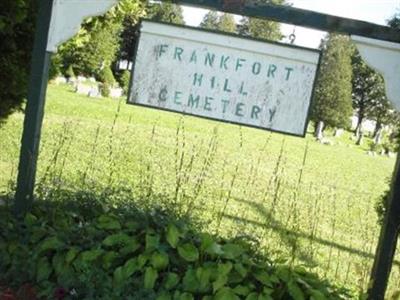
[224, 77]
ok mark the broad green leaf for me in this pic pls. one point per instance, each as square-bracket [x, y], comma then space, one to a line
[150, 277]
[186, 296]
[159, 260]
[142, 260]
[263, 277]
[190, 282]
[188, 252]
[226, 294]
[108, 222]
[43, 269]
[164, 296]
[231, 251]
[224, 269]
[119, 277]
[252, 296]
[130, 267]
[117, 239]
[91, 255]
[220, 282]
[109, 258]
[241, 290]
[172, 235]
[152, 241]
[130, 247]
[51, 243]
[58, 262]
[204, 276]
[317, 295]
[240, 269]
[295, 291]
[171, 281]
[71, 255]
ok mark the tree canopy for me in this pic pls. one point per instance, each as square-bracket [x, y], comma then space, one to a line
[17, 25]
[332, 100]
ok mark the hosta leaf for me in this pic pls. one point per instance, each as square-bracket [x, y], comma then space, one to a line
[117, 239]
[164, 296]
[190, 282]
[51, 243]
[226, 294]
[150, 277]
[262, 277]
[188, 252]
[119, 277]
[159, 260]
[43, 269]
[108, 222]
[171, 281]
[252, 296]
[71, 255]
[130, 247]
[203, 275]
[172, 235]
[219, 282]
[240, 269]
[295, 291]
[109, 258]
[152, 241]
[58, 262]
[317, 295]
[232, 251]
[224, 269]
[91, 255]
[130, 267]
[241, 290]
[186, 296]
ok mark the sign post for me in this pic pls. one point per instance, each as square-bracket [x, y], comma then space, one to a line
[34, 110]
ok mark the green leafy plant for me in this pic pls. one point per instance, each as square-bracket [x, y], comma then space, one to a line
[90, 247]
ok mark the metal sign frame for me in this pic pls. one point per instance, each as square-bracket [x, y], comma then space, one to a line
[222, 33]
[253, 8]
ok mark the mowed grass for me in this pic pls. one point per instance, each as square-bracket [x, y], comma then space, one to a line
[297, 199]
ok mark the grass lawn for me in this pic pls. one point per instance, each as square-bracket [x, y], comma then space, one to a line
[302, 201]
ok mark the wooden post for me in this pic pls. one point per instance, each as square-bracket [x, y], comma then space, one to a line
[34, 111]
[387, 242]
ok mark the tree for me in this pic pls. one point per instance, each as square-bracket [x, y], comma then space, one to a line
[332, 101]
[368, 90]
[210, 20]
[226, 23]
[17, 25]
[260, 28]
[166, 12]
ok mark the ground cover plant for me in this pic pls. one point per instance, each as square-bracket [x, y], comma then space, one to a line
[84, 245]
[302, 202]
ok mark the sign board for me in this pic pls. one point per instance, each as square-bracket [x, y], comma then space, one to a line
[224, 77]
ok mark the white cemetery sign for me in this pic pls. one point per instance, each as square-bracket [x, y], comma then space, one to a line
[224, 77]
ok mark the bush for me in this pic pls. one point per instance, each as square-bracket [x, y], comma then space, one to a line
[69, 73]
[124, 81]
[107, 79]
[17, 25]
[84, 246]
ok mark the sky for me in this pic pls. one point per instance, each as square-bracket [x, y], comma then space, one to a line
[374, 11]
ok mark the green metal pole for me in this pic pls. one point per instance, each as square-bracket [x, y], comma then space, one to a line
[387, 242]
[34, 111]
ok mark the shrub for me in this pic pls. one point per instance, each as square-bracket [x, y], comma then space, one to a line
[83, 246]
[17, 25]
[70, 72]
[107, 79]
[124, 81]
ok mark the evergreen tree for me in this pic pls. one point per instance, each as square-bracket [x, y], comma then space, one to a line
[260, 28]
[332, 101]
[166, 12]
[210, 20]
[226, 23]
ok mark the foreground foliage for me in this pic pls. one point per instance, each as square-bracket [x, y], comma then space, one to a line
[81, 248]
